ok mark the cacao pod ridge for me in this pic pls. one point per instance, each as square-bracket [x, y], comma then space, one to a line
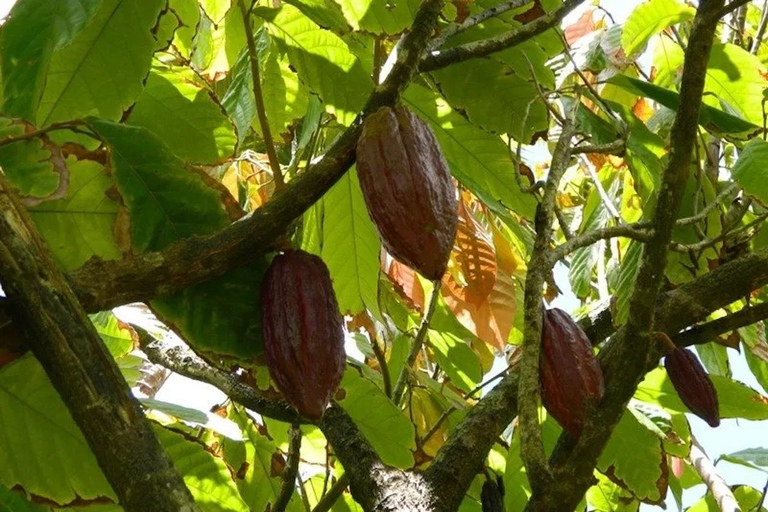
[303, 331]
[408, 189]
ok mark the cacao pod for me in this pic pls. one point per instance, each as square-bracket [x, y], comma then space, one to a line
[302, 330]
[492, 495]
[693, 385]
[569, 372]
[408, 189]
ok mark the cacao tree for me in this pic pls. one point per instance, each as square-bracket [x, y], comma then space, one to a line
[429, 255]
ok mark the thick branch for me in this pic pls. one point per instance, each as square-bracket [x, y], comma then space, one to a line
[472, 21]
[539, 267]
[180, 359]
[84, 374]
[101, 285]
[440, 59]
[708, 332]
[625, 361]
[726, 501]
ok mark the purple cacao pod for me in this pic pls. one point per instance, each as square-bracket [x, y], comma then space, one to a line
[569, 372]
[408, 189]
[693, 385]
[303, 331]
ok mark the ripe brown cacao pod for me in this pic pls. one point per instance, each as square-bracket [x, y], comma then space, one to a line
[408, 189]
[693, 385]
[302, 330]
[569, 372]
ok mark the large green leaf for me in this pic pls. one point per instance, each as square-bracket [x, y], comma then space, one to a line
[101, 71]
[350, 246]
[81, 224]
[736, 399]
[178, 26]
[468, 86]
[479, 160]
[217, 45]
[711, 118]
[33, 31]
[166, 201]
[456, 359]
[11, 501]
[323, 61]
[253, 461]
[650, 18]
[326, 13]
[625, 282]
[750, 170]
[387, 429]
[207, 477]
[41, 449]
[747, 498]
[634, 456]
[179, 108]
[379, 16]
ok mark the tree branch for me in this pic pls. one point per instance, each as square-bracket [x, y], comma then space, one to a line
[625, 360]
[440, 59]
[84, 374]
[726, 501]
[101, 285]
[475, 20]
[632, 231]
[291, 470]
[180, 359]
[708, 332]
[539, 267]
[334, 493]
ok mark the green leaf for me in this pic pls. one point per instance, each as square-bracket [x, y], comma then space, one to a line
[33, 31]
[713, 119]
[88, 78]
[350, 246]
[323, 61]
[41, 449]
[178, 26]
[736, 400]
[607, 496]
[456, 359]
[735, 82]
[196, 417]
[216, 9]
[467, 86]
[387, 429]
[479, 160]
[257, 484]
[36, 168]
[626, 281]
[81, 225]
[747, 498]
[750, 171]
[11, 501]
[714, 357]
[379, 16]
[166, 202]
[635, 457]
[326, 13]
[179, 108]
[117, 337]
[754, 458]
[650, 18]
[218, 44]
[207, 477]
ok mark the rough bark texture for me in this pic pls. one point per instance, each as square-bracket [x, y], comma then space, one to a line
[65, 342]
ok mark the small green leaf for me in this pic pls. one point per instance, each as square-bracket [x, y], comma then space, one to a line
[650, 18]
[750, 171]
[456, 359]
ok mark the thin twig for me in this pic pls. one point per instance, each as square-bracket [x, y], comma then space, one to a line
[709, 242]
[760, 29]
[567, 233]
[708, 208]
[418, 341]
[472, 21]
[440, 59]
[631, 231]
[381, 358]
[607, 202]
[253, 57]
[333, 494]
[64, 125]
[431, 432]
[616, 147]
[291, 470]
[735, 4]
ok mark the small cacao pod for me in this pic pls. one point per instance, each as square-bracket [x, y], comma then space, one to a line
[693, 385]
[569, 372]
[492, 495]
[302, 330]
[408, 189]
